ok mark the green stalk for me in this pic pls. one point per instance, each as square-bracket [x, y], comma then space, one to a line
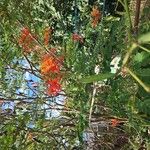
[126, 58]
[143, 48]
[146, 88]
[129, 19]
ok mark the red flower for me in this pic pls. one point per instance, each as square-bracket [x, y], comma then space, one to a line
[24, 33]
[53, 86]
[114, 122]
[26, 40]
[77, 37]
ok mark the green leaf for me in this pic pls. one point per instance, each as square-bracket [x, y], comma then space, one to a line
[94, 78]
[139, 57]
[145, 106]
[144, 38]
[143, 72]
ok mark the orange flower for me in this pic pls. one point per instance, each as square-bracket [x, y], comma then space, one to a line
[96, 16]
[49, 65]
[53, 86]
[95, 12]
[114, 122]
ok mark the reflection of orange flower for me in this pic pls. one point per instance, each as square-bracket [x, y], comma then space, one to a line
[77, 37]
[49, 65]
[96, 16]
[53, 86]
[114, 122]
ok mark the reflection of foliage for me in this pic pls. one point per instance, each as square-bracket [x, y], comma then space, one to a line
[120, 107]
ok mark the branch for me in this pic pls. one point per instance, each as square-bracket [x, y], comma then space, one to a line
[137, 16]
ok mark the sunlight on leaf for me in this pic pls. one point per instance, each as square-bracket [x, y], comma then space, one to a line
[144, 38]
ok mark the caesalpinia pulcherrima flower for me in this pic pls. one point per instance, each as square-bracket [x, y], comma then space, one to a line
[49, 65]
[26, 40]
[53, 86]
[114, 122]
[96, 16]
[50, 69]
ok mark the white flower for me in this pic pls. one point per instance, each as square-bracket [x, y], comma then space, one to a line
[114, 64]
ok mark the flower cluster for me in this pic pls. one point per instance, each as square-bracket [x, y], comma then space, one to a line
[50, 65]
[96, 16]
[53, 86]
[50, 69]
[26, 40]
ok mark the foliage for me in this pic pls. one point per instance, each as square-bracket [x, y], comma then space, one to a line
[61, 43]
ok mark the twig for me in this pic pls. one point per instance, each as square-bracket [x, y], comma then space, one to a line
[92, 102]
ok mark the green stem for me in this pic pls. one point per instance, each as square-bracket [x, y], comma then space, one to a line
[146, 88]
[121, 3]
[143, 48]
[129, 19]
[92, 104]
[126, 58]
